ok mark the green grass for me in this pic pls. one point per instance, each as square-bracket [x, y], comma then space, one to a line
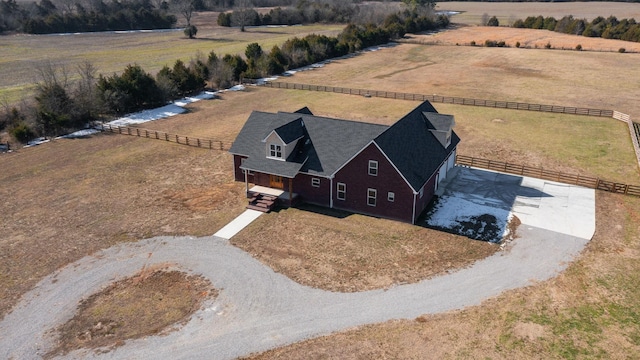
[111, 52]
[592, 145]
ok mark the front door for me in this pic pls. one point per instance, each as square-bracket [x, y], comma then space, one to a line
[276, 181]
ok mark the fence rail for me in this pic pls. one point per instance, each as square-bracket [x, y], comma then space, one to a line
[161, 135]
[540, 173]
[441, 99]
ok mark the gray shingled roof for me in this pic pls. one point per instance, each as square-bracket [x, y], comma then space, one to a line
[413, 149]
[327, 143]
[290, 131]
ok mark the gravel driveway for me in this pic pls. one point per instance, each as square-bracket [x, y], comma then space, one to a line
[258, 309]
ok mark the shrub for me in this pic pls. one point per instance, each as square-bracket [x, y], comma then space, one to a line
[518, 44]
[493, 21]
[22, 132]
[622, 50]
[190, 31]
[548, 46]
[578, 47]
[472, 43]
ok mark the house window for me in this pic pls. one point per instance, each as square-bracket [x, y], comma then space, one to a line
[341, 192]
[391, 196]
[275, 151]
[315, 182]
[371, 196]
[373, 168]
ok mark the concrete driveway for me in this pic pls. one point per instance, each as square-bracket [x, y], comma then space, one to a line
[258, 309]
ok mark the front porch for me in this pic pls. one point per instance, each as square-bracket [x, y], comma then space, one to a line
[264, 198]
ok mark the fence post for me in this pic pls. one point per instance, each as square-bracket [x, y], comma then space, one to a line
[177, 140]
[220, 145]
[198, 141]
[138, 132]
[209, 144]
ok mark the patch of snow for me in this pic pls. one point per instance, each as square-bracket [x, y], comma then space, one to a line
[451, 211]
[37, 141]
[79, 134]
[237, 88]
[149, 115]
[175, 108]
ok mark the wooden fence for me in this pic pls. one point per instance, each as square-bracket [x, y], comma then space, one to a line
[441, 99]
[161, 135]
[540, 173]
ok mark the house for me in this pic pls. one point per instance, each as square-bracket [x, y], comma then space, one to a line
[384, 171]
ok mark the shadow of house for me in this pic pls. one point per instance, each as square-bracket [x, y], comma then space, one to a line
[478, 203]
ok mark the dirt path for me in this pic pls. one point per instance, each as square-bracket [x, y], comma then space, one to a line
[258, 309]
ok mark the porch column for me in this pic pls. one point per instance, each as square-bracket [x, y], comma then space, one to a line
[246, 184]
[290, 192]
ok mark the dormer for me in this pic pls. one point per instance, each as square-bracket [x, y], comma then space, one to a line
[281, 142]
[442, 127]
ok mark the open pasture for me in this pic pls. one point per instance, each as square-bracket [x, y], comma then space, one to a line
[111, 52]
[508, 12]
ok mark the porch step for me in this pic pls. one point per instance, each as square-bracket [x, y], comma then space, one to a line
[261, 202]
[258, 208]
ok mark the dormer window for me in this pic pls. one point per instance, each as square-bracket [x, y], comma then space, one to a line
[275, 151]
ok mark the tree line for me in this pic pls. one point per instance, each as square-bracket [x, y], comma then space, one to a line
[45, 17]
[61, 106]
[608, 28]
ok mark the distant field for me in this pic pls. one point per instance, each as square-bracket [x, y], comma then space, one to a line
[112, 52]
[507, 13]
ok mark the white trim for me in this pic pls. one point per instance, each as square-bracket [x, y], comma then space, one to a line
[331, 193]
[273, 131]
[373, 165]
[413, 215]
[315, 182]
[375, 197]
[344, 192]
[275, 150]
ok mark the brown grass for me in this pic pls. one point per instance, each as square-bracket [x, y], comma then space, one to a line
[508, 12]
[589, 311]
[145, 304]
[382, 253]
[528, 38]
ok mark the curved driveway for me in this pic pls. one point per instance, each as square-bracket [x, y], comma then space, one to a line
[258, 309]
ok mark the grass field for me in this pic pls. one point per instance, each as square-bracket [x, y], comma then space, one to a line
[509, 12]
[112, 52]
[109, 189]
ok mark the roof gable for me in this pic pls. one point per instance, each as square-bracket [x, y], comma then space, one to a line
[290, 131]
[412, 147]
[326, 143]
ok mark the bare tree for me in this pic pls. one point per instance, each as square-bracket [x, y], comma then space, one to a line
[186, 9]
[242, 13]
[85, 97]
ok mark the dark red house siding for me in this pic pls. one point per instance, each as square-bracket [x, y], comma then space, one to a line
[355, 176]
[310, 194]
[238, 174]
[427, 195]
